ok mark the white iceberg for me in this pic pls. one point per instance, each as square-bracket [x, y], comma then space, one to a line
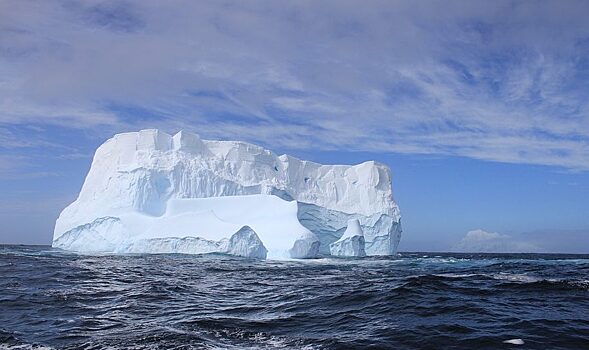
[148, 191]
[351, 243]
[305, 247]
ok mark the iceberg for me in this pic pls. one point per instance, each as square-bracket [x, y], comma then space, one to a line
[151, 192]
[306, 247]
[351, 243]
[246, 243]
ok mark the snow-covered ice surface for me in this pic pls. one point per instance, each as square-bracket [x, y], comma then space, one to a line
[148, 191]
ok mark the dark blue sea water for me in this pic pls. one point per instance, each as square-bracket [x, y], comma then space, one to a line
[51, 299]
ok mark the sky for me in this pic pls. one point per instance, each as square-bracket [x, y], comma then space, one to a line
[480, 108]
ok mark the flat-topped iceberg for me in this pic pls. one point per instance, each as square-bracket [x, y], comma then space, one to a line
[150, 192]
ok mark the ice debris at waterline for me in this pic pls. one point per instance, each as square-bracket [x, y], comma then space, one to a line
[150, 192]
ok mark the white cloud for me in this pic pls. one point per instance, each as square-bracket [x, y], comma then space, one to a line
[480, 241]
[498, 81]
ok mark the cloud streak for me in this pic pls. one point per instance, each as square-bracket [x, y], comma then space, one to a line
[501, 81]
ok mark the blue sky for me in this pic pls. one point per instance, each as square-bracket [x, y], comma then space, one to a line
[480, 108]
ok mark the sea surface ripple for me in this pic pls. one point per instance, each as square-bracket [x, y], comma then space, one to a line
[55, 300]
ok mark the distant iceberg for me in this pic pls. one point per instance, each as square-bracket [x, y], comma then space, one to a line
[150, 192]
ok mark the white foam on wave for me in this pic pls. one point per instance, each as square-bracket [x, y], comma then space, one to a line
[583, 284]
[457, 275]
[523, 278]
[328, 260]
[255, 341]
[515, 277]
[24, 347]
[516, 341]
[449, 260]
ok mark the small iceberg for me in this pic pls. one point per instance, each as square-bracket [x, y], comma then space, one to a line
[351, 243]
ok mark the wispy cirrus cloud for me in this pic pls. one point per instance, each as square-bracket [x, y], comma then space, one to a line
[21, 153]
[503, 81]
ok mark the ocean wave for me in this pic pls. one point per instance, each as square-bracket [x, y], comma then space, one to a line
[10, 341]
[5, 346]
[212, 302]
[517, 277]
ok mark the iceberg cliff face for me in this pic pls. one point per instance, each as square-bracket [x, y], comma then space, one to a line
[148, 191]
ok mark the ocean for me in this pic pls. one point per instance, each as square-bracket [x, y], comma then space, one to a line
[55, 300]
